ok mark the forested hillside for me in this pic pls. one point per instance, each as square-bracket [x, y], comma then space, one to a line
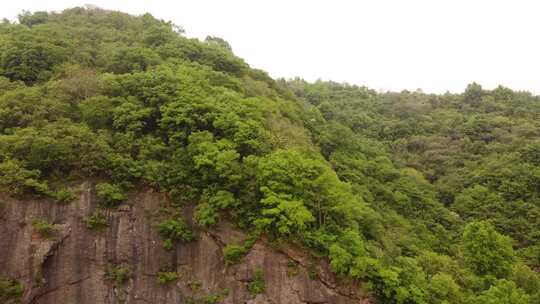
[425, 198]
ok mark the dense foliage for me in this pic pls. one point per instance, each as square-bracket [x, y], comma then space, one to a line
[428, 198]
[454, 179]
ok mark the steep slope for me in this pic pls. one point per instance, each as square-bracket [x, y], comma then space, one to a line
[71, 265]
[89, 94]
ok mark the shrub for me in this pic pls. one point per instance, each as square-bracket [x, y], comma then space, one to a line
[118, 274]
[10, 290]
[166, 277]
[64, 196]
[233, 254]
[257, 286]
[110, 195]
[96, 221]
[312, 271]
[206, 212]
[194, 285]
[340, 259]
[44, 228]
[173, 230]
[17, 180]
[208, 299]
[205, 215]
[213, 299]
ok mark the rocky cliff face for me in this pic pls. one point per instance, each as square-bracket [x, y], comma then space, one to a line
[71, 266]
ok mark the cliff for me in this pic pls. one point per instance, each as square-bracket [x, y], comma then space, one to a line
[74, 264]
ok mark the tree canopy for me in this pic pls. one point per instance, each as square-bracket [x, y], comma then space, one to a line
[426, 198]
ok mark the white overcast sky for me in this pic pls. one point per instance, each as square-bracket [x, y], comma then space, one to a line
[435, 45]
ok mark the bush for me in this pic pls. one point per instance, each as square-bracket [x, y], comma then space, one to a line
[173, 230]
[205, 215]
[64, 196]
[166, 277]
[233, 253]
[96, 221]
[44, 228]
[257, 286]
[209, 299]
[118, 274]
[10, 290]
[110, 195]
[340, 259]
[213, 299]
[313, 272]
[194, 285]
[17, 180]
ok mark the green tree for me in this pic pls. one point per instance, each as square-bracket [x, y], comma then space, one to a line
[444, 289]
[486, 251]
[503, 292]
[30, 57]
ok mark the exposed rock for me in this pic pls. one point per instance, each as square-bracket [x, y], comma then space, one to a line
[71, 266]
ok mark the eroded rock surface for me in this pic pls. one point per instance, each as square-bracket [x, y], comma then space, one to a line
[70, 268]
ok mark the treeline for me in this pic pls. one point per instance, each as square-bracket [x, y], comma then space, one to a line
[457, 174]
[429, 199]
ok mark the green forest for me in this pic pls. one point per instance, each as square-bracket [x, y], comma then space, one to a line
[426, 198]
